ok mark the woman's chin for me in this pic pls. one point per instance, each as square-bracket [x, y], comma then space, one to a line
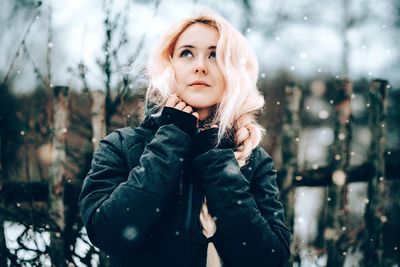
[199, 106]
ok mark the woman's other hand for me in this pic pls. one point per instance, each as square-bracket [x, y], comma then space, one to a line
[175, 102]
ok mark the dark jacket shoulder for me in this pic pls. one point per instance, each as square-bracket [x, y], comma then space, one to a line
[129, 136]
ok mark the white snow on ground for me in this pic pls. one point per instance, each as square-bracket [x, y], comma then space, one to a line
[39, 240]
[308, 204]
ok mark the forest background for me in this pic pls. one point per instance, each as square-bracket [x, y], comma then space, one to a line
[73, 71]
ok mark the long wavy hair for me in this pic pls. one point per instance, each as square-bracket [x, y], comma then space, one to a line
[240, 102]
[236, 59]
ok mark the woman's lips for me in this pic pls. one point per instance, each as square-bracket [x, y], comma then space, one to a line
[199, 84]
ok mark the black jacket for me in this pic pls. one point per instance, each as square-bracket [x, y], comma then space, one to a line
[141, 200]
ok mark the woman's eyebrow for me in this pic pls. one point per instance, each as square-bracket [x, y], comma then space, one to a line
[191, 46]
[186, 46]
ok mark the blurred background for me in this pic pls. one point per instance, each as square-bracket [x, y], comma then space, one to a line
[73, 71]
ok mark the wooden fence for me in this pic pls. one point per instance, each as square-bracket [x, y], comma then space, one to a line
[51, 205]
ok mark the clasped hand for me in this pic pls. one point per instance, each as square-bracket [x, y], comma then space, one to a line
[175, 102]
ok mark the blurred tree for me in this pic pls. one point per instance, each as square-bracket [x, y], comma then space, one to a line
[10, 125]
[375, 216]
[9, 143]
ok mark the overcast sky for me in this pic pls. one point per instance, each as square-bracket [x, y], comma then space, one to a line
[302, 37]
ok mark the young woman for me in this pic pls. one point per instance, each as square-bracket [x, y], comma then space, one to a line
[190, 186]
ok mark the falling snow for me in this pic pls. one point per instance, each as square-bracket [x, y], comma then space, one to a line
[129, 233]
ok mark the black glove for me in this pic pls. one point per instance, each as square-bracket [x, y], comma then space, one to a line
[204, 141]
[183, 120]
[207, 139]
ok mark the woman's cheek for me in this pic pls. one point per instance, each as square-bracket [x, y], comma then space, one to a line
[181, 74]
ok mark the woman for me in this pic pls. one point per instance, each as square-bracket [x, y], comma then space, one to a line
[190, 186]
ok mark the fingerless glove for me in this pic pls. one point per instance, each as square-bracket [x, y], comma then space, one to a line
[183, 120]
[207, 139]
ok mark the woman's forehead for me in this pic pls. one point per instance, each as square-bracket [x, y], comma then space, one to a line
[198, 35]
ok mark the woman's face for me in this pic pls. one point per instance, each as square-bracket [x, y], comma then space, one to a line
[199, 79]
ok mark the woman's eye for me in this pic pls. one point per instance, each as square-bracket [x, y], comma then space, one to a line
[213, 54]
[186, 53]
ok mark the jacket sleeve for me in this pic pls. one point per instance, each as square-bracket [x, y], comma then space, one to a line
[249, 217]
[119, 205]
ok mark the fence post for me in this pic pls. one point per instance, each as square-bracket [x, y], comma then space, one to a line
[98, 117]
[290, 140]
[56, 182]
[335, 231]
[374, 213]
[3, 176]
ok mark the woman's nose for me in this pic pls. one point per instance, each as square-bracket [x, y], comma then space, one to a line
[200, 66]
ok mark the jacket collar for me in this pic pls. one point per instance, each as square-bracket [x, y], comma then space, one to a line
[152, 122]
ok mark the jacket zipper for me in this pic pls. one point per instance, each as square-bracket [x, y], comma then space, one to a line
[188, 221]
[181, 187]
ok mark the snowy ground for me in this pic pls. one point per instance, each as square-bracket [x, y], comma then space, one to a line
[39, 241]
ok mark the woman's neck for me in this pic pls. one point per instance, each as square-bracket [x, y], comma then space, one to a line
[203, 113]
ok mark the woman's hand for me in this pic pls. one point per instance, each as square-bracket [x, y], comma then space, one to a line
[175, 102]
[180, 114]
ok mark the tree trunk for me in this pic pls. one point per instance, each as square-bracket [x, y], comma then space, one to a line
[99, 129]
[335, 231]
[3, 177]
[346, 26]
[98, 117]
[374, 214]
[56, 182]
[290, 137]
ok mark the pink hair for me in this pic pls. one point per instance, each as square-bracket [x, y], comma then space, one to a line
[239, 65]
[240, 102]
